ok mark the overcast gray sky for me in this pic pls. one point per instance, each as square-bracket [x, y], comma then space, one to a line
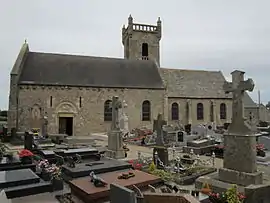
[197, 34]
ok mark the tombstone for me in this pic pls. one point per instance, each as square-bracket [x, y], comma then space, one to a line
[240, 162]
[121, 194]
[28, 140]
[115, 140]
[159, 123]
[160, 147]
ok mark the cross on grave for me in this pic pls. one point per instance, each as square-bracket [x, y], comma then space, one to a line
[115, 105]
[238, 86]
[159, 130]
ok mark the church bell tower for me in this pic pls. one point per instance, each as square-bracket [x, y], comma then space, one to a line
[141, 41]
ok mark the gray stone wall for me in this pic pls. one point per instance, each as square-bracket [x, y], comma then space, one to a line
[13, 91]
[206, 104]
[12, 106]
[90, 117]
[134, 46]
[254, 111]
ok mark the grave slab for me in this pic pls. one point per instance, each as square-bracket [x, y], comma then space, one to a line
[87, 192]
[102, 166]
[5, 162]
[83, 152]
[29, 189]
[17, 177]
[22, 182]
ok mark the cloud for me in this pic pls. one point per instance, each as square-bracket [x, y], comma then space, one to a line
[211, 35]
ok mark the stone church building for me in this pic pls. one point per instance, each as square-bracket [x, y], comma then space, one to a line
[73, 92]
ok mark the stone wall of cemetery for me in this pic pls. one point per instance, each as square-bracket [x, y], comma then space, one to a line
[183, 110]
[85, 105]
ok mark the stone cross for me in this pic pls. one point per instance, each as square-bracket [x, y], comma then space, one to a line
[159, 130]
[115, 105]
[238, 86]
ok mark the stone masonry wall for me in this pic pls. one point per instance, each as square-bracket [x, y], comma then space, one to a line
[89, 117]
[206, 104]
[134, 46]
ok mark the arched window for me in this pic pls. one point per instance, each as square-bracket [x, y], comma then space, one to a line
[145, 51]
[107, 111]
[175, 111]
[223, 111]
[199, 111]
[146, 110]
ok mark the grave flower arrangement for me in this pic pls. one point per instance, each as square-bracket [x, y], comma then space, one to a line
[43, 164]
[135, 164]
[55, 172]
[26, 156]
[56, 177]
[25, 153]
[230, 196]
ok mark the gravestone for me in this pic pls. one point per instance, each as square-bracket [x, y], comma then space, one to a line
[160, 147]
[115, 140]
[240, 164]
[119, 193]
[102, 166]
[28, 140]
[159, 123]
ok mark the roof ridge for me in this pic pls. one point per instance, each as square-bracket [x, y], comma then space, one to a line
[93, 57]
[191, 70]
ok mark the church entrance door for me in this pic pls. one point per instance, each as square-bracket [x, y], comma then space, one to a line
[66, 125]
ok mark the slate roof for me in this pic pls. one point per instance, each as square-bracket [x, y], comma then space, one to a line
[194, 83]
[73, 70]
[248, 101]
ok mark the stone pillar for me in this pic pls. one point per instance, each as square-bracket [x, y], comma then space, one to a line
[240, 149]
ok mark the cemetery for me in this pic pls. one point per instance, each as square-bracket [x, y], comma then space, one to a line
[180, 165]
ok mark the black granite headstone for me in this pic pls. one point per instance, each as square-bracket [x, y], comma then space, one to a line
[28, 140]
[121, 194]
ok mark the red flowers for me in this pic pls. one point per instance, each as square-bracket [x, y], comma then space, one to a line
[241, 196]
[260, 146]
[25, 153]
[135, 165]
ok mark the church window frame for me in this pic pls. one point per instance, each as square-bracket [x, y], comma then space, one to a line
[146, 110]
[107, 110]
[80, 102]
[175, 111]
[51, 101]
[223, 111]
[145, 51]
[200, 111]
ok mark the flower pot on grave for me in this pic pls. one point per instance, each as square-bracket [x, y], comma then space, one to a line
[26, 160]
[57, 184]
[45, 175]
